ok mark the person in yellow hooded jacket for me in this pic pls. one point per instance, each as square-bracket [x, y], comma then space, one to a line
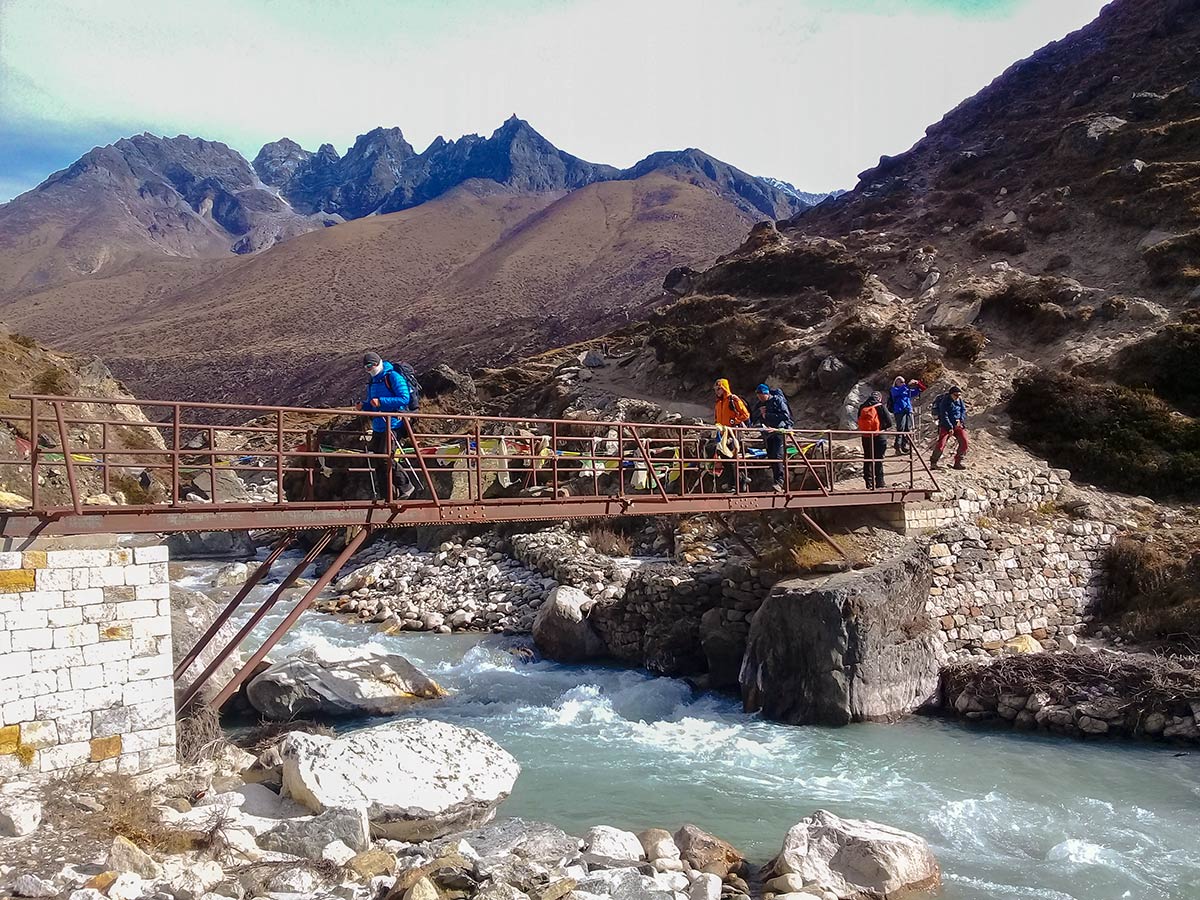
[730, 412]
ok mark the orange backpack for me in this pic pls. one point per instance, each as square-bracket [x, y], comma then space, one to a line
[868, 419]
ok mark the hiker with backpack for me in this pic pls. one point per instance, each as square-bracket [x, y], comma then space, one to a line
[771, 411]
[731, 413]
[873, 419]
[900, 405]
[391, 390]
[951, 415]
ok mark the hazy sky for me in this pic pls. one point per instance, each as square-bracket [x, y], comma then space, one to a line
[811, 91]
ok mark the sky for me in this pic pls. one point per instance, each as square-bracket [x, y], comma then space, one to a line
[810, 91]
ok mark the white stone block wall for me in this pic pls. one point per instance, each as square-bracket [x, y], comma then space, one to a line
[85, 662]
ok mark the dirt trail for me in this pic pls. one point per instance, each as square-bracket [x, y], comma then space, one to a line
[616, 382]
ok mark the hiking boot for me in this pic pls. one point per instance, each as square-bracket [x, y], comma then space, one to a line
[408, 491]
[958, 465]
[777, 486]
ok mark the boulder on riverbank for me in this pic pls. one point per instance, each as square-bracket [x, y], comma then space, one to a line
[561, 629]
[418, 779]
[854, 858]
[851, 647]
[325, 681]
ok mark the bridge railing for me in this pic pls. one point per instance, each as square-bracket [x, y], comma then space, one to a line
[172, 454]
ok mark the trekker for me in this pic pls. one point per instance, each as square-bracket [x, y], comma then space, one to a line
[951, 415]
[772, 412]
[730, 412]
[873, 418]
[387, 391]
[902, 396]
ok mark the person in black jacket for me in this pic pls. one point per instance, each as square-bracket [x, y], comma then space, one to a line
[873, 419]
[771, 411]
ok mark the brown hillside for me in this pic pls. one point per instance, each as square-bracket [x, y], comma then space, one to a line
[481, 275]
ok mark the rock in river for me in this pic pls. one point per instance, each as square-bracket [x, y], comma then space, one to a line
[854, 858]
[851, 647]
[561, 629]
[327, 681]
[417, 778]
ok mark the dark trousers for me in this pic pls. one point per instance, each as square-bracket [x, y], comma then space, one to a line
[874, 448]
[774, 442]
[725, 464]
[387, 468]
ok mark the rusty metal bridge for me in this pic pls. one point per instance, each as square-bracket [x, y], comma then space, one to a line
[175, 463]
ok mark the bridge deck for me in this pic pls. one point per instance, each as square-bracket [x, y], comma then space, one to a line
[469, 469]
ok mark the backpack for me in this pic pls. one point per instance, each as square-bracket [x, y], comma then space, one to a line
[941, 406]
[737, 406]
[783, 403]
[868, 419]
[414, 386]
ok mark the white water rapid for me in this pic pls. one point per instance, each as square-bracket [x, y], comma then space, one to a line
[1009, 815]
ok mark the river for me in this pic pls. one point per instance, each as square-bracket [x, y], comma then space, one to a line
[1008, 815]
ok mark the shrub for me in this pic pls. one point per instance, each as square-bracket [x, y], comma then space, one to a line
[23, 340]
[51, 380]
[1166, 364]
[867, 347]
[966, 343]
[1114, 436]
[1153, 591]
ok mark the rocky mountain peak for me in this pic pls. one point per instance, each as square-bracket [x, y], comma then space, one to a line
[277, 162]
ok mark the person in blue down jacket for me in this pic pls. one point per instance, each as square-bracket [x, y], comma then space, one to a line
[387, 391]
[902, 396]
[770, 409]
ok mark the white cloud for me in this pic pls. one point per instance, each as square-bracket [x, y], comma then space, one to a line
[790, 88]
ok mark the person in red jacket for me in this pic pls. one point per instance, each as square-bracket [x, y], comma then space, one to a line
[873, 418]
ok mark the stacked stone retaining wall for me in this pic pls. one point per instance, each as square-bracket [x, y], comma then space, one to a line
[996, 584]
[649, 614]
[85, 662]
[1011, 488]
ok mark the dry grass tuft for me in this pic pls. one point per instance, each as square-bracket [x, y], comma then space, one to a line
[606, 540]
[198, 735]
[799, 553]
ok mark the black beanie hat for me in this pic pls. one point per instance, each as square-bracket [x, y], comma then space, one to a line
[372, 359]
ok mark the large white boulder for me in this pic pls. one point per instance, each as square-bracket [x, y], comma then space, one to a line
[612, 845]
[561, 629]
[330, 681]
[418, 779]
[853, 858]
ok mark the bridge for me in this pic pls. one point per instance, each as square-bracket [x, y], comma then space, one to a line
[314, 472]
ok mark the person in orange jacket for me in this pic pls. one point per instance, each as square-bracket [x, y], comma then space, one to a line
[730, 411]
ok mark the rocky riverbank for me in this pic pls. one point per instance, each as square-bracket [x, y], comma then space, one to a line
[1083, 694]
[404, 811]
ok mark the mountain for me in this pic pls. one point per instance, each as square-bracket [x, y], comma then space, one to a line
[191, 198]
[805, 197]
[483, 274]
[382, 173]
[175, 197]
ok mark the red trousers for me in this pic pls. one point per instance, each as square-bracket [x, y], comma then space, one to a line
[960, 434]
